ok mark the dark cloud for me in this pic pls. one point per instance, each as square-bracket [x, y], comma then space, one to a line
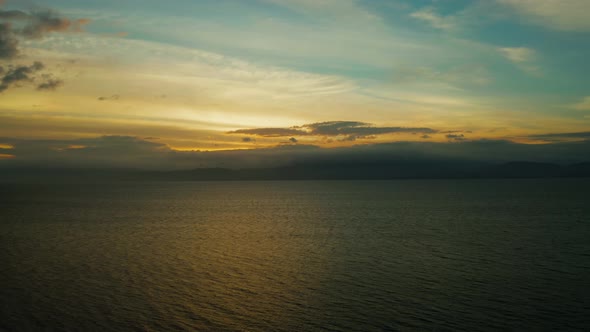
[248, 139]
[105, 151]
[352, 138]
[39, 23]
[332, 128]
[351, 129]
[293, 140]
[425, 136]
[16, 25]
[17, 75]
[562, 136]
[456, 137]
[113, 97]
[8, 42]
[337, 128]
[270, 132]
[455, 131]
[13, 15]
[349, 138]
[50, 85]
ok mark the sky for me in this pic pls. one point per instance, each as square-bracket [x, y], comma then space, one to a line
[125, 82]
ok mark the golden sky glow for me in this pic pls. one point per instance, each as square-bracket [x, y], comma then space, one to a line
[189, 81]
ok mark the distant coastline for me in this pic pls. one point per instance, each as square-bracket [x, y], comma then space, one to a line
[387, 170]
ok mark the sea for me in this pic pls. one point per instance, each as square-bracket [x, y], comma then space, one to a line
[403, 255]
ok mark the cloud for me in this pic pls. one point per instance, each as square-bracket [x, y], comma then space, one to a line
[13, 15]
[113, 97]
[457, 76]
[8, 42]
[240, 94]
[17, 75]
[351, 129]
[50, 85]
[270, 132]
[517, 54]
[583, 105]
[425, 136]
[248, 139]
[39, 23]
[456, 131]
[429, 15]
[16, 25]
[105, 151]
[133, 152]
[338, 33]
[293, 140]
[456, 137]
[522, 57]
[556, 137]
[337, 128]
[569, 15]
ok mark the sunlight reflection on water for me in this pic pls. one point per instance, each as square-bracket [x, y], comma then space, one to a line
[291, 256]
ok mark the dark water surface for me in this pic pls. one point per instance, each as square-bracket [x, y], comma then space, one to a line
[296, 256]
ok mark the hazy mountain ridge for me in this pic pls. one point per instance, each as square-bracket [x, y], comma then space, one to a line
[385, 170]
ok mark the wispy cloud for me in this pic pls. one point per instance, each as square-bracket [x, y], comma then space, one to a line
[463, 75]
[341, 10]
[569, 15]
[583, 105]
[437, 21]
[518, 54]
[50, 85]
[522, 57]
[456, 137]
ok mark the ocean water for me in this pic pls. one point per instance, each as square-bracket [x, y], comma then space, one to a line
[426, 255]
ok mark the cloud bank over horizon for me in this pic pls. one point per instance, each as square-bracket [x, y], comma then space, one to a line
[150, 154]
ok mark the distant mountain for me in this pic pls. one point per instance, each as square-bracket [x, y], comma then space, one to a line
[522, 169]
[578, 170]
[384, 170]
